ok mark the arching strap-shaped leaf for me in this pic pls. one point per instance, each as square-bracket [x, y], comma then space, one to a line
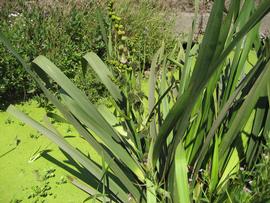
[181, 175]
[121, 154]
[99, 125]
[63, 144]
[152, 83]
[181, 110]
[105, 76]
[222, 114]
[258, 90]
[117, 169]
[151, 192]
[94, 194]
[203, 72]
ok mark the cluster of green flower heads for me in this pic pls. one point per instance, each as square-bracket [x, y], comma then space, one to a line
[123, 59]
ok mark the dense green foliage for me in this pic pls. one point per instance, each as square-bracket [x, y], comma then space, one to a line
[147, 25]
[64, 32]
[61, 34]
[189, 136]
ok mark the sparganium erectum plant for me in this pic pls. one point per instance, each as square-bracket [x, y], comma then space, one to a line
[198, 123]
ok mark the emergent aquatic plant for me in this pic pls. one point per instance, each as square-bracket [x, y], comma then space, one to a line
[203, 119]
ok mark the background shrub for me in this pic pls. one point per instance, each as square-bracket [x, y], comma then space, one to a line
[148, 25]
[64, 32]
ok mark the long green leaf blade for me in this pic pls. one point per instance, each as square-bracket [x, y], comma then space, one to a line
[91, 167]
[258, 89]
[183, 106]
[181, 177]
